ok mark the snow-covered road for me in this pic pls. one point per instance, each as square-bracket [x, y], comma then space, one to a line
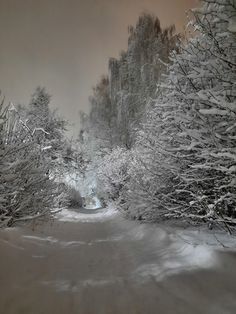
[96, 262]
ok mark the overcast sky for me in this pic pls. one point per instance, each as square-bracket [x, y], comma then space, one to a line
[64, 45]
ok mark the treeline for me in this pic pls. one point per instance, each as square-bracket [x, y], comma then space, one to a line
[161, 133]
[119, 101]
[33, 154]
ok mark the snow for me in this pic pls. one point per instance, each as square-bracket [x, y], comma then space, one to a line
[39, 129]
[47, 147]
[232, 25]
[51, 240]
[182, 258]
[65, 285]
[67, 215]
[44, 239]
[214, 111]
[180, 250]
[15, 246]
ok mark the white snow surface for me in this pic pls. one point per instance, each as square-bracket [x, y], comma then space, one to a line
[182, 258]
[232, 25]
[67, 215]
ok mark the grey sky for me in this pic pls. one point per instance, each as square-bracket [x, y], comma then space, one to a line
[64, 45]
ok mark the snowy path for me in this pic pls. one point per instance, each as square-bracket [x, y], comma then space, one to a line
[103, 264]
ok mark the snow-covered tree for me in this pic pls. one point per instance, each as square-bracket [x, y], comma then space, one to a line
[118, 102]
[26, 191]
[44, 123]
[188, 145]
[101, 128]
[48, 129]
[112, 174]
[134, 76]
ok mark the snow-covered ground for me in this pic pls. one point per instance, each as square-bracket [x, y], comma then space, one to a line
[71, 215]
[98, 251]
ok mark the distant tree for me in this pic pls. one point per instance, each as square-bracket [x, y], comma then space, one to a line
[101, 116]
[112, 174]
[44, 124]
[38, 111]
[118, 102]
[48, 129]
[134, 77]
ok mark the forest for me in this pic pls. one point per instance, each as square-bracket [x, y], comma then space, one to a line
[161, 133]
[159, 142]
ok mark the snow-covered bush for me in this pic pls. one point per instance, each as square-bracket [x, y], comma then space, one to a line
[150, 177]
[188, 143]
[112, 174]
[26, 190]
